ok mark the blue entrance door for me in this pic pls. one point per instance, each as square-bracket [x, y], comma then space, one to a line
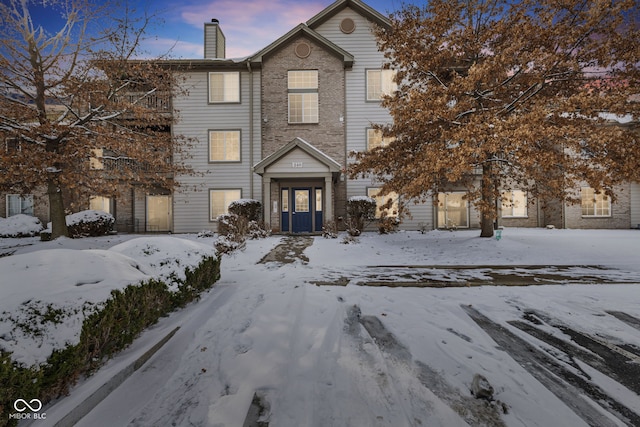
[301, 211]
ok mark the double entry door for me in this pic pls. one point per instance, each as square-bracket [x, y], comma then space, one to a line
[301, 209]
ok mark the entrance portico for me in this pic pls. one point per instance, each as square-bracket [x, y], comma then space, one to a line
[298, 187]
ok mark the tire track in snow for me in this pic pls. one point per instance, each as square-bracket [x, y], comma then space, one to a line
[567, 386]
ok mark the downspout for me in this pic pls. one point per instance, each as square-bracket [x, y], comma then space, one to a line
[251, 132]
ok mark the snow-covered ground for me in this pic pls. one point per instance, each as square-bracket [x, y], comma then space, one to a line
[346, 354]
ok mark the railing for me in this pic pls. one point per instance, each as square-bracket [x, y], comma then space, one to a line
[156, 101]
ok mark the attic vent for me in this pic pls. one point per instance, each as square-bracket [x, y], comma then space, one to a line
[302, 50]
[347, 26]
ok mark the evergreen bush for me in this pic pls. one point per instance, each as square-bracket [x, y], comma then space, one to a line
[360, 211]
[104, 333]
[248, 208]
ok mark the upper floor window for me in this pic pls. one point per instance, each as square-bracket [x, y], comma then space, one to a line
[594, 204]
[379, 83]
[224, 87]
[224, 146]
[96, 161]
[375, 139]
[514, 203]
[17, 204]
[303, 96]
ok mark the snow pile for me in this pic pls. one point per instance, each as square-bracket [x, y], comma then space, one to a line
[20, 226]
[45, 295]
[165, 257]
[87, 216]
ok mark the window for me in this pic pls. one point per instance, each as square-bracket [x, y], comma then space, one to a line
[285, 200]
[224, 87]
[219, 201]
[375, 139]
[379, 83]
[318, 199]
[595, 204]
[17, 204]
[381, 200]
[12, 145]
[96, 161]
[100, 203]
[224, 146]
[514, 204]
[453, 210]
[303, 96]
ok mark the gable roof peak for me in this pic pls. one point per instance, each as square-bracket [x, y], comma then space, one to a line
[359, 6]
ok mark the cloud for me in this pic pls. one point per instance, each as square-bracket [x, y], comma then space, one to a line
[172, 48]
[250, 25]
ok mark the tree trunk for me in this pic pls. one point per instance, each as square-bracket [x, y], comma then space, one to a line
[56, 211]
[486, 211]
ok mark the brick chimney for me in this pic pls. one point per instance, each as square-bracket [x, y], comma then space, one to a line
[214, 40]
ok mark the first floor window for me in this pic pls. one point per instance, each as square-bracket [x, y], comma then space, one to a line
[453, 210]
[100, 203]
[17, 204]
[514, 204]
[224, 146]
[219, 201]
[374, 193]
[595, 204]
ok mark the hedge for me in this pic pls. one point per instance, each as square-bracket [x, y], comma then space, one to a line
[104, 333]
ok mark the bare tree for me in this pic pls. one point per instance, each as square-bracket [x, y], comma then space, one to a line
[83, 115]
[496, 95]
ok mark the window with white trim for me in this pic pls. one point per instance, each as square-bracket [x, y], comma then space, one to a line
[224, 87]
[224, 145]
[594, 204]
[373, 192]
[17, 204]
[302, 88]
[380, 83]
[219, 201]
[375, 139]
[514, 204]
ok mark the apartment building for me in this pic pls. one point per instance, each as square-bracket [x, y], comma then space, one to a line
[278, 126]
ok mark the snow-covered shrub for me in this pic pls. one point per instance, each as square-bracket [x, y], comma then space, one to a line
[90, 223]
[85, 224]
[128, 312]
[249, 208]
[388, 224]
[205, 233]
[258, 230]
[20, 225]
[234, 229]
[360, 211]
[330, 230]
[226, 244]
[232, 225]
